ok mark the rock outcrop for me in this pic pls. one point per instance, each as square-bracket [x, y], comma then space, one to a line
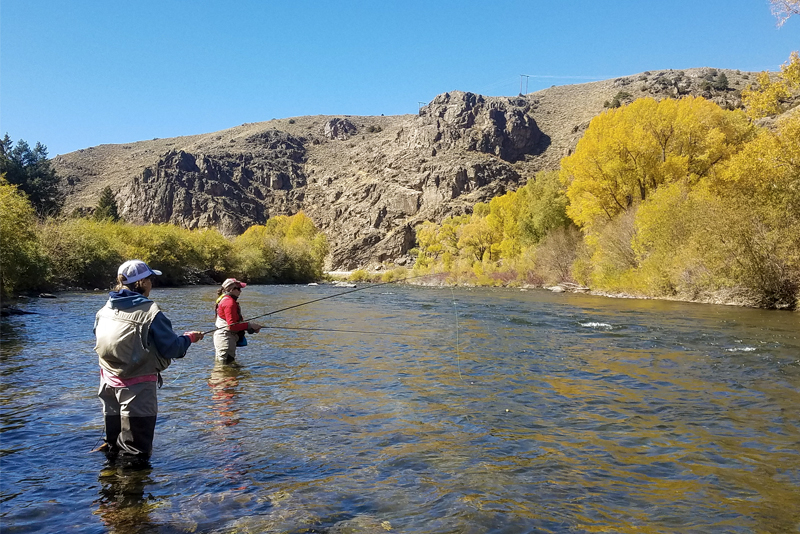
[338, 128]
[502, 127]
[227, 190]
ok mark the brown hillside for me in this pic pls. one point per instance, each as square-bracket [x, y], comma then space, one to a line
[368, 182]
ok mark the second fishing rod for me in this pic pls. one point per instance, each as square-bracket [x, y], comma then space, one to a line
[371, 286]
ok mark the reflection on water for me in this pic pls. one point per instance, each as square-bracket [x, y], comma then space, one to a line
[533, 412]
[123, 505]
[223, 382]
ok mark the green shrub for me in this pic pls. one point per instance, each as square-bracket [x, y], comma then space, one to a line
[22, 263]
[82, 253]
[285, 249]
[399, 273]
[359, 275]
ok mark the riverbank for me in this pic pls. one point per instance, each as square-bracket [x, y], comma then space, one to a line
[723, 297]
[736, 298]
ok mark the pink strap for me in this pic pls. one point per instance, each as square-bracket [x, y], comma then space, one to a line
[117, 382]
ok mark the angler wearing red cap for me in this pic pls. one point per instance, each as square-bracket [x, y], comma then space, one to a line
[230, 322]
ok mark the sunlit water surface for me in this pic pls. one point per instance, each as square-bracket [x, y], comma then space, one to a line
[465, 411]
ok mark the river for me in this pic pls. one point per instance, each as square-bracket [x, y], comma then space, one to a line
[417, 410]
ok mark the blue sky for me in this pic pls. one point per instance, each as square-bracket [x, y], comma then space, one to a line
[80, 73]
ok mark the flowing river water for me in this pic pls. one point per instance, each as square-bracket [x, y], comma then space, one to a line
[449, 411]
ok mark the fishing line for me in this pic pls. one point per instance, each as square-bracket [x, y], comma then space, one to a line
[176, 378]
[458, 351]
[338, 330]
[319, 299]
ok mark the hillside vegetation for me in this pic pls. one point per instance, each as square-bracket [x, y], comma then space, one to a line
[671, 198]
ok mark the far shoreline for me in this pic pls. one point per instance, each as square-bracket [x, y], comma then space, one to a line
[719, 298]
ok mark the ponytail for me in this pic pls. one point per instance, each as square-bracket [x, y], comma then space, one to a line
[137, 287]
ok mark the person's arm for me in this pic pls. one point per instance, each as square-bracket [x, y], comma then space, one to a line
[168, 344]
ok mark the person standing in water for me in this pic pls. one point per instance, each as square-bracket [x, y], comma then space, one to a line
[135, 342]
[230, 322]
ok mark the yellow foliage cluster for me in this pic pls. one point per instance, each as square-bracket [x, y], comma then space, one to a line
[736, 229]
[494, 244]
[674, 198]
[21, 262]
[769, 95]
[287, 249]
[628, 152]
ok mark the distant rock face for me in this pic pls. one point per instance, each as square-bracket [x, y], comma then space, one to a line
[229, 191]
[498, 126]
[340, 129]
[376, 221]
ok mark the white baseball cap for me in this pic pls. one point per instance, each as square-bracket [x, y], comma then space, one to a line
[135, 270]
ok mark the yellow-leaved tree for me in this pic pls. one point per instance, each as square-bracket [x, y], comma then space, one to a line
[759, 232]
[770, 94]
[438, 243]
[627, 153]
[735, 233]
[478, 237]
[286, 248]
[626, 156]
[22, 264]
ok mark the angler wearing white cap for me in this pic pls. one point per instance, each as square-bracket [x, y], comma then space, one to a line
[230, 324]
[135, 342]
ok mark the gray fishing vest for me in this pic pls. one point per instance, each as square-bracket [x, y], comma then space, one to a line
[123, 343]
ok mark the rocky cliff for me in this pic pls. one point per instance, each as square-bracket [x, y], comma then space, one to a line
[368, 182]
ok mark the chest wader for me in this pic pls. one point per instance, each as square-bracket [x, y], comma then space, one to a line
[129, 415]
[226, 341]
[129, 412]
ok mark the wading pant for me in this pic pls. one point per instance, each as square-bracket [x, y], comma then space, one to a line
[130, 418]
[225, 344]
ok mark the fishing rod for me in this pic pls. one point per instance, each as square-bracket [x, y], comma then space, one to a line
[320, 299]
